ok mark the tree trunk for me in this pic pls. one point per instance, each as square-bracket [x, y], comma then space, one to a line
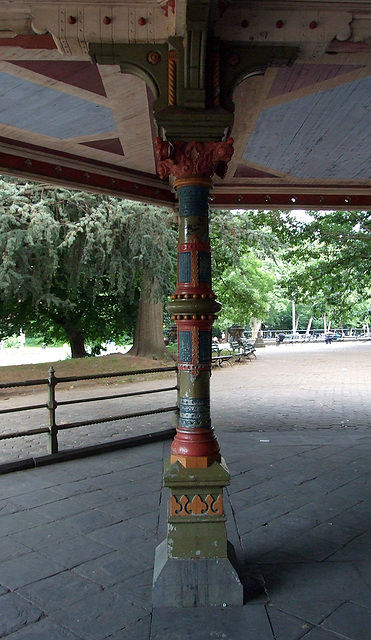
[255, 325]
[324, 324]
[149, 334]
[76, 340]
[309, 325]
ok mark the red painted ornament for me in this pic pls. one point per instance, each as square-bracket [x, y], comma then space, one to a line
[279, 24]
[153, 57]
[233, 58]
[313, 25]
[142, 22]
[189, 159]
[245, 24]
[198, 442]
[168, 5]
[72, 20]
[107, 20]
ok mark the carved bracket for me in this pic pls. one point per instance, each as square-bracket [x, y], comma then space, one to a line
[193, 159]
[239, 61]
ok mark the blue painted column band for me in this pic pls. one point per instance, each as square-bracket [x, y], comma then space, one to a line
[194, 413]
[193, 201]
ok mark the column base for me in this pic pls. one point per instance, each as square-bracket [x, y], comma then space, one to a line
[196, 565]
[198, 582]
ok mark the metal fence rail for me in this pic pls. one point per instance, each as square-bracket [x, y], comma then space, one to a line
[51, 405]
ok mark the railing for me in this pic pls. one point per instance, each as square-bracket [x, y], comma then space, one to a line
[52, 404]
[311, 336]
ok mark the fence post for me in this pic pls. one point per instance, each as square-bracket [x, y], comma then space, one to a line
[52, 405]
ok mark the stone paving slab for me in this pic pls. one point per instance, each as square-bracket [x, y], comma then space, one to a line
[229, 622]
[342, 620]
[77, 539]
[302, 589]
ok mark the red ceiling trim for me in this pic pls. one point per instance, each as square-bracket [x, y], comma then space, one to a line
[338, 46]
[287, 200]
[81, 179]
[290, 188]
[125, 187]
[69, 156]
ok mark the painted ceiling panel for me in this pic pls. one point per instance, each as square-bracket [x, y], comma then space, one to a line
[84, 75]
[290, 79]
[250, 172]
[303, 130]
[42, 110]
[111, 145]
[324, 135]
[30, 42]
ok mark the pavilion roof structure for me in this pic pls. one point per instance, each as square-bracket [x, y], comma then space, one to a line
[292, 82]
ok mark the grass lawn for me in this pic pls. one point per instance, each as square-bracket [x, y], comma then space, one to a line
[85, 366]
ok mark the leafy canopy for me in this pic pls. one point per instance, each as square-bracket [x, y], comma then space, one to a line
[73, 261]
[328, 255]
[243, 254]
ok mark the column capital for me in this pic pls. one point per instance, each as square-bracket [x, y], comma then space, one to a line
[193, 161]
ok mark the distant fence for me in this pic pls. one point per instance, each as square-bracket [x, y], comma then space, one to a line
[51, 405]
[310, 336]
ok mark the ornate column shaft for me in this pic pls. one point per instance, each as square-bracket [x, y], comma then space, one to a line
[193, 309]
[194, 565]
[193, 306]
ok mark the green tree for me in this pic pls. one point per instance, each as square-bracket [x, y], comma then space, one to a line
[72, 262]
[327, 256]
[86, 322]
[243, 255]
[332, 257]
[245, 290]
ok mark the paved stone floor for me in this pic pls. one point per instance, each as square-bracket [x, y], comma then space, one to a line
[77, 539]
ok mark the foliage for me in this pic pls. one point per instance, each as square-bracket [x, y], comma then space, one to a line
[245, 291]
[243, 253]
[233, 233]
[72, 262]
[11, 342]
[328, 260]
[332, 256]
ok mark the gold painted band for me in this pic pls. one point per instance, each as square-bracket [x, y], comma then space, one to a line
[192, 181]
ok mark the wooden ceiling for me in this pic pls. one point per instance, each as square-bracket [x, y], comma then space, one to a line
[302, 127]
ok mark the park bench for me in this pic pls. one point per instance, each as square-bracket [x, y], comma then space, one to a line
[242, 349]
[248, 348]
[219, 355]
[238, 350]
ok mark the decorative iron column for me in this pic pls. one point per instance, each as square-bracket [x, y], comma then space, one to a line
[194, 565]
[193, 309]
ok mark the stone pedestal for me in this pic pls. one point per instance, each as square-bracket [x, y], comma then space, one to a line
[189, 583]
[195, 565]
[259, 342]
